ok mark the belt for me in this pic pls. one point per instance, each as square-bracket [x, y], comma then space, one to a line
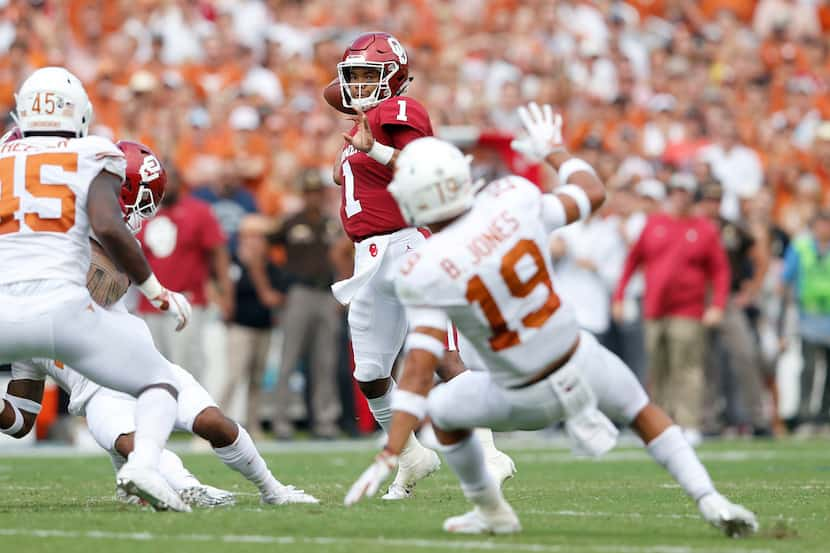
[549, 369]
[359, 239]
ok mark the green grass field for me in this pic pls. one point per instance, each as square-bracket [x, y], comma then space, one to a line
[623, 503]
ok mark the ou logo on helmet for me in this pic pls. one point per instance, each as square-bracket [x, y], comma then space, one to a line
[150, 169]
[397, 48]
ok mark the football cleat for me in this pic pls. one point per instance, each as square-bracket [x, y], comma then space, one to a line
[123, 497]
[477, 521]
[150, 485]
[207, 496]
[413, 466]
[284, 495]
[734, 520]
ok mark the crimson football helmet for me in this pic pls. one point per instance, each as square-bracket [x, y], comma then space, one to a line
[144, 182]
[380, 52]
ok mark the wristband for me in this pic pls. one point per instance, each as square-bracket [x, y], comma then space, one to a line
[577, 194]
[571, 166]
[381, 153]
[17, 425]
[151, 288]
[428, 343]
[23, 404]
[409, 402]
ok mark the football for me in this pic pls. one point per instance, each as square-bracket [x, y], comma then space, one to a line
[332, 95]
[106, 284]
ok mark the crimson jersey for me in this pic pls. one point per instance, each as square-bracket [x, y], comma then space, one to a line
[366, 207]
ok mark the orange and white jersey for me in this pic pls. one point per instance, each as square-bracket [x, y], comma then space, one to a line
[44, 225]
[489, 272]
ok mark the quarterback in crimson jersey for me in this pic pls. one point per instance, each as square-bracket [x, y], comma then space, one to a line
[373, 75]
[367, 208]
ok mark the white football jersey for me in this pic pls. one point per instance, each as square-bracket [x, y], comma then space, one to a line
[490, 273]
[79, 388]
[44, 225]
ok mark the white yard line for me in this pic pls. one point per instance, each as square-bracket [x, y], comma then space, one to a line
[483, 545]
[599, 514]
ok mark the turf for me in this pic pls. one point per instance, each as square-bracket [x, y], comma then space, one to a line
[623, 503]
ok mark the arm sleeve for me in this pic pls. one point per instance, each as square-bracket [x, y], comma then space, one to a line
[103, 154]
[632, 262]
[405, 120]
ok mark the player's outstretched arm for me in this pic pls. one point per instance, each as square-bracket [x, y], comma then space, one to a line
[107, 223]
[409, 403]
[580, 191]
[20, 407]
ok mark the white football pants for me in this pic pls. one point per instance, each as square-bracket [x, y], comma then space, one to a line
[110, 414]
[59, 320]
[472, 399]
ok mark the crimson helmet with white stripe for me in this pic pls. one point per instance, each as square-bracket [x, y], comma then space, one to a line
[144, 183]
[382, 53]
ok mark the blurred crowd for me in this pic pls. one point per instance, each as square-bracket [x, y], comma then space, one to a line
[712, 110]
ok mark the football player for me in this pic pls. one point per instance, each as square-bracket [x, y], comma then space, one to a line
[486, 270]
[110, 415]
[56, 186]
[373, 76]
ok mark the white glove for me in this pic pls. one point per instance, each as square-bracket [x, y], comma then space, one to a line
[165, 300]
[734, 520]
[544, 132]
[371, 479]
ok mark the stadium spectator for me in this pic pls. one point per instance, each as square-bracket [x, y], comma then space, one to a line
[807, 273]
[680, 255]
[185, 247]
[259, 286]
[311, 319]
[733, 361]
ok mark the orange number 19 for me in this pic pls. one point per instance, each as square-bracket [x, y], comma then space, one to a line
[504, 337]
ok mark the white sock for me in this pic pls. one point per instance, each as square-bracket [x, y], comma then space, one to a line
[243, 457]
[155, 415]
[381, 408]
[172, 468]
[118, 460]
[485, 438]
[674, 453]
[467, 461]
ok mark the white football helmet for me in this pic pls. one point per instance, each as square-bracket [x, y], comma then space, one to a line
[53, 100]
[432, 181]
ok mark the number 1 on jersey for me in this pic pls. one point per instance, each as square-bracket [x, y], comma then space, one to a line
[352, 204]
[402, 110]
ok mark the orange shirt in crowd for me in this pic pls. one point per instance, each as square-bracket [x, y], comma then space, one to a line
[742, 9]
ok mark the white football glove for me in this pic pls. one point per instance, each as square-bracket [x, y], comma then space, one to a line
[371, 479]
[544, 132]
[166, 300]
[175, 304]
